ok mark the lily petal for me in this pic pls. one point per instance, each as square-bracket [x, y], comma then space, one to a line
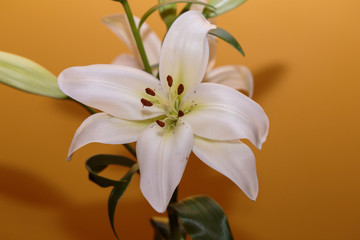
[212, 50]
[233, 159]
[235, 76]
[103, 128]
[185, 51]
[219, 112]
[119, 25]
[162, 156]
[127, 60]
[114, 89]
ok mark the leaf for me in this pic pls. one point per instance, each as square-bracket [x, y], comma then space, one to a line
[203, 218]
[165, 3]
[227, 37]
[162, 228]
[28, 76]
[117, 193]
[221, 7]
[168, 13]
[97, 163]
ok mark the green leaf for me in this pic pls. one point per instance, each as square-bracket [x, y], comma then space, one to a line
[221, 7]
[117, 193]
[162, 228]
[28, 76]
[203, 218]
[168, 13]
[168, 2]
[97, 163]
[227, 37]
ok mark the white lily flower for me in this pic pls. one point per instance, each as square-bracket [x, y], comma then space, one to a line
[171, 117]
[235, 76]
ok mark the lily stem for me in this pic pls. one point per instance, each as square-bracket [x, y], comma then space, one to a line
[175, 233]
[137, 36]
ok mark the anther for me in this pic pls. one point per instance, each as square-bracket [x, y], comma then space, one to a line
[180, 113]
[180, 89]
[150, 91]
[169, 80]
[160, 123]
[146, 103]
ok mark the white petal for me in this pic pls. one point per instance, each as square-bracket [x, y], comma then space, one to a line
[185, 51]
[103, 128]
[212, 39]
[127, 60]
[162, 156]
[114, 89]
[120, 26]
[222, 113]
[235, 76]
[233, 159]
[212, 51]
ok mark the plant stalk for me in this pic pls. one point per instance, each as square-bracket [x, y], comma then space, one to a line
[175, 233]
[137, 36]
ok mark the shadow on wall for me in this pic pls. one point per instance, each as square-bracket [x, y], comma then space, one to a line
[85, 221]
[90, 221]
[267, 78]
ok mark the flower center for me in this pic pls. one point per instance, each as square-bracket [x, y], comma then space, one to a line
[171, 107]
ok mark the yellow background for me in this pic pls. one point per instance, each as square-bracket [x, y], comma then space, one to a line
[305, 59]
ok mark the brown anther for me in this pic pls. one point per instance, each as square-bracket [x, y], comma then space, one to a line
[150, 91]
[180, 89]
[146, 103]
[169, 80]
[180, 113]
[160, 123]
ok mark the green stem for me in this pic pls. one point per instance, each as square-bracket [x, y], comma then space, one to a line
[89, 109]
[175, 233]
[130, 149]
[137, 36]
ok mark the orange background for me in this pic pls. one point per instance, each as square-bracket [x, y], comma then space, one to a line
[305, 59]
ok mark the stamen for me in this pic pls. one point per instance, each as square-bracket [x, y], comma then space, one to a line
[150, 91]
[146, 103]
[180, 89]
[160, 123]
[180, 113]
[169, 80]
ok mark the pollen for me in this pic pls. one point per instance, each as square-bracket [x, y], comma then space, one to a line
[146, 103]
[180, 113]
[150, 91]
[160, 123]
[180, 89]
[169, 80]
